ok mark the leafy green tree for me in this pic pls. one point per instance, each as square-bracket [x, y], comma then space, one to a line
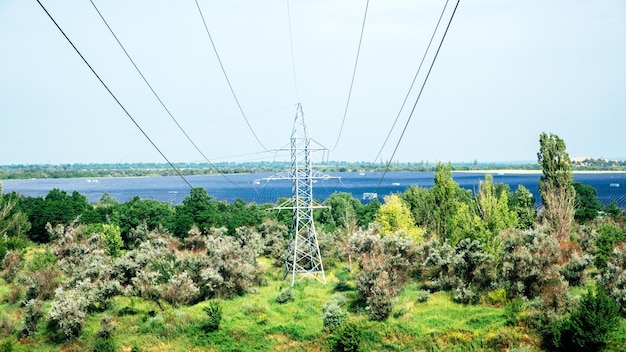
[493, 205]
[58, 207]
[613, 210]
[137, 211]
[447, 196]
[523, 203]
[112, 236]
[201, 210]
[366, 214]
[14, 223]
[586, 204]
[555, 186]
[395, 217]
[240, 214]
[342, 211]
[421, 203]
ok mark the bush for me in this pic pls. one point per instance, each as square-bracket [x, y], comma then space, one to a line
[497, 296]
[342, 286]
[106, 327]
[333, 316]
[68, 312]
[104, 345]
[348, 337]
[11, 264]
[380, 300]
[180, 289]
[214, 315]
[464, 295]
[588, 327]
[422, 296]
[14, 294]
[6, 346]
[286, 295]
[32, 315]
[6, 326]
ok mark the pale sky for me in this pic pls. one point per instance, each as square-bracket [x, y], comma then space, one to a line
[508, 70]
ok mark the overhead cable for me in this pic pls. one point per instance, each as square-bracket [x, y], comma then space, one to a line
[356, 61]
[293, 60]
[157, 96]
[114, 97]
[419, 95]
[232, 90]
[419, 69]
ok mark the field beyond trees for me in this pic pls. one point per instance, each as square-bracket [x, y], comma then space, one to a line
[432, 269]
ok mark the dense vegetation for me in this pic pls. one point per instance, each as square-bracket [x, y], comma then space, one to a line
[434, 269]
[8, 172]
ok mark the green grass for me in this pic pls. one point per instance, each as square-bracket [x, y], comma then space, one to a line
[256, 322]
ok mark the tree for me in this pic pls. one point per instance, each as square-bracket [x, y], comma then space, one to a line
[494, 210]
[586, 203]
[198, 209]
[395, 217]
[58, 207]
[137, 212]
[342, 212]
[588, 327]
[555, 186]
[523, 203]
[447, 195]
[421, 202]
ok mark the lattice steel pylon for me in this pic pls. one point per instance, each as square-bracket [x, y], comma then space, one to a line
[303, 252]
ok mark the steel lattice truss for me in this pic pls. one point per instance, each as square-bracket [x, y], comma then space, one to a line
[303, 252]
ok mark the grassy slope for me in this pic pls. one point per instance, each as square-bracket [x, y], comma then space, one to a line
[256, 322]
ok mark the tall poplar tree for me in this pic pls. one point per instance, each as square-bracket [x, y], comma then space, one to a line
[555, 186]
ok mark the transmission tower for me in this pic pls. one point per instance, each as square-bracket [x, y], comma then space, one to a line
[303, 251]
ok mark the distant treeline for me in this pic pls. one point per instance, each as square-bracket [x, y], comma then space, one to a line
[24, 171]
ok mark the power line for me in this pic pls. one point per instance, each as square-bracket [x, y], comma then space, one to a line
[157, 96]
[419, 95]
[232, 90]
[114, 97]
[419, 69]
[293, 61]
[356, 61]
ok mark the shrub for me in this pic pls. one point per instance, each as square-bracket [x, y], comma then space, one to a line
[464, 295]
[286, 295]
[333, 316]
[41, 284]
[588, 327]
[104, 345]
[14, 294]
[6, 345]
[348, 337]
[497, 296]
[106, 327]
[42, 260]
[422, 296]
[574, 270]
[380, 300]
[342, 286]
[6, 326]
[11, 264]
[32, 315]
[614, 277]
[68, 313]
[213, 311]
[180, 289]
